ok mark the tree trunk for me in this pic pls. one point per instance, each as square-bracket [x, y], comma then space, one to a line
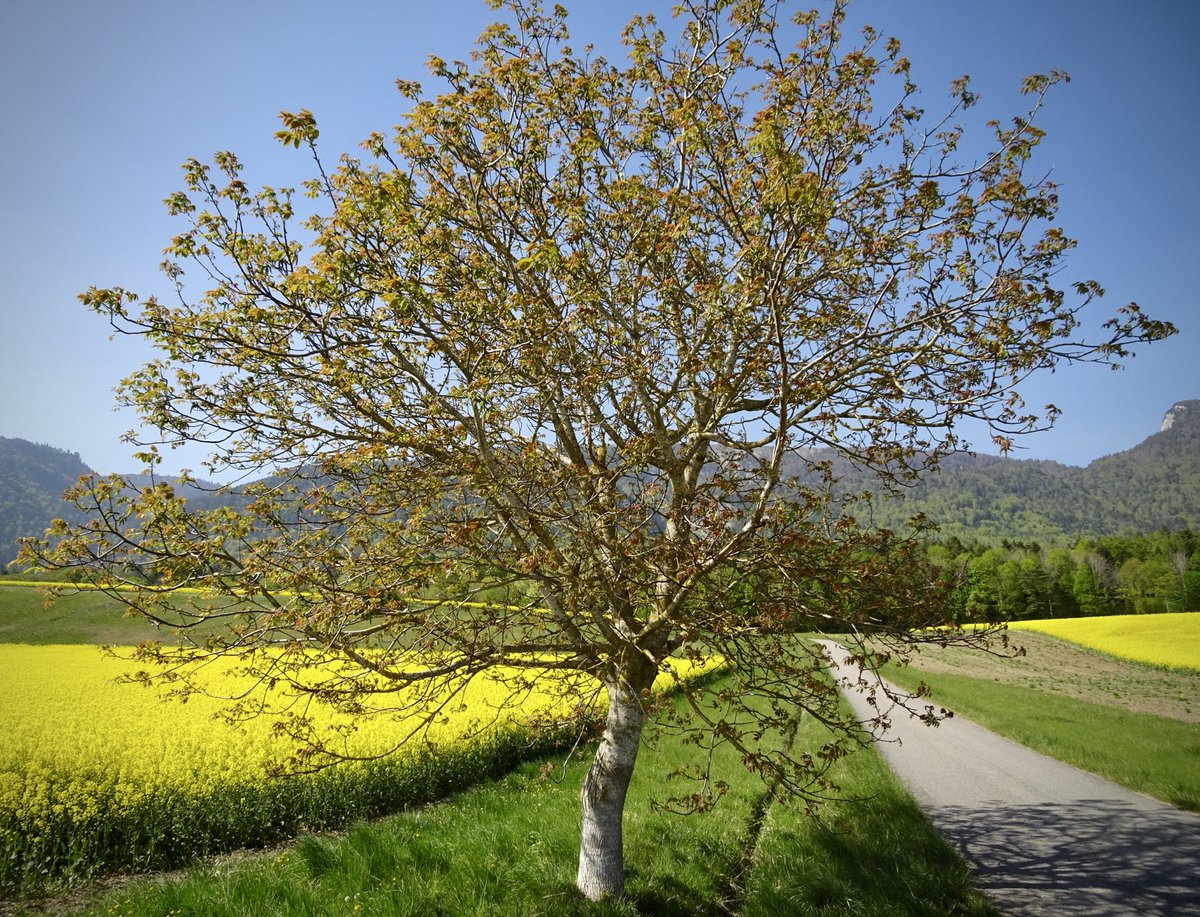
[601, 857]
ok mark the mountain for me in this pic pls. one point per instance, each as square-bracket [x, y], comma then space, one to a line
[1155, 485]
[32, 480]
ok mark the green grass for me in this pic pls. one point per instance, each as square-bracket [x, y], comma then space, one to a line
[1156, 755]
[510, 847]
[88, 616]
[873, 854]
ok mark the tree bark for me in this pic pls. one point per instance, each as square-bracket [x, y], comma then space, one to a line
[601, 855]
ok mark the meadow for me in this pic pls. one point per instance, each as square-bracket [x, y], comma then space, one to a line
[85, 617]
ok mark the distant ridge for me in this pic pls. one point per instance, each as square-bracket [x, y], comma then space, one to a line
[1154, 485]
[32, 480]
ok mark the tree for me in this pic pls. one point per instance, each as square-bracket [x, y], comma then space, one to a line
[1088, 590]
[982, 603]
[1191, 584]
[558, 334]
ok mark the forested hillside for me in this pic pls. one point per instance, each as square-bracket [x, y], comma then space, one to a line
[1155, 485]
[32, 480]
[986, 499]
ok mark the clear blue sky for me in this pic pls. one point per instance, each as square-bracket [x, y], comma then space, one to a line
[103, 101]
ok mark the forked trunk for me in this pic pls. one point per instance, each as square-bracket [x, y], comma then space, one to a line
[601, 858]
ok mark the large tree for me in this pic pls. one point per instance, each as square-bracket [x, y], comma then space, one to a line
[573, 334]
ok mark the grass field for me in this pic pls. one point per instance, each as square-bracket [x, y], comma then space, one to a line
[83, 617]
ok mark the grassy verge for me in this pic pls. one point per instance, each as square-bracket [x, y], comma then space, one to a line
[510, 847]
[874, 853]
[1156, 755]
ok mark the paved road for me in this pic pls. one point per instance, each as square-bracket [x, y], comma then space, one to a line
[1043, 838]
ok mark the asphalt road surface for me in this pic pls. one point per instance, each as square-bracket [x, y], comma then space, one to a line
[1042, 837]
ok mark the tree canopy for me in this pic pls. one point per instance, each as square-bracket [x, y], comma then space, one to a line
[551, 341]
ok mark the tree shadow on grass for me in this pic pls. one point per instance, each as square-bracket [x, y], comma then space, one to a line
[667, 897]
[875, 855]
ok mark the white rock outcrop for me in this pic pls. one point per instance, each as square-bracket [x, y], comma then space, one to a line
[1172, 415]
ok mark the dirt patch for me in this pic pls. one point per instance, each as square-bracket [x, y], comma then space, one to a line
[1059, 667]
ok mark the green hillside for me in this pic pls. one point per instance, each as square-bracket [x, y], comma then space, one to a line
[1153, 486]
[32, 480]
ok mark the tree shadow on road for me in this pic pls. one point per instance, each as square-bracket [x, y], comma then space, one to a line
[1094, 857]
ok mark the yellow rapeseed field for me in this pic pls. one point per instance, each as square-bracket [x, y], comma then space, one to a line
[97, 774]
[1160, 639]
[65, 718]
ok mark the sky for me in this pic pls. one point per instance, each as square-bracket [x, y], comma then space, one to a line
[102, 102]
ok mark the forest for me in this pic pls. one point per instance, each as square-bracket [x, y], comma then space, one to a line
[1116, 574]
